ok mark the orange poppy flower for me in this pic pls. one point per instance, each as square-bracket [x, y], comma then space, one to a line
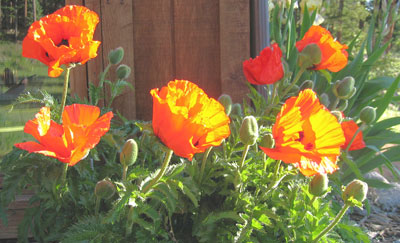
[334, 54]
[186, 120]
[307, 135]
[71, 142]
[349, 128]
[266, 68]
[64, 37]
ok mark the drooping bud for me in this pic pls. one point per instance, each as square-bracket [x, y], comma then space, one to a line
[324, 99]
[342, 105]
[115, 56]
[368, 115]
[357, 190]
[344, 89]
[267, 141]
[295, 89]
[226, 101]
[104, 189]
[338, 115]
[311, 55]
[319, 185]
[248, 132]
[123, 71]
[236, 110]
[129, 153]
[308, 84]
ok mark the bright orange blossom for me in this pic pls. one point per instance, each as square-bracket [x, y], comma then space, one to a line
[349, 129]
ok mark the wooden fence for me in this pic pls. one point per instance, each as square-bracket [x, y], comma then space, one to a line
[204, 41]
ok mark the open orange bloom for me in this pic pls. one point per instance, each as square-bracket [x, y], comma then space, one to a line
[334, 54]
[71, 142]
[64, 37]
[186, 120]
[266, 68]
[349, 129]
[307, 135]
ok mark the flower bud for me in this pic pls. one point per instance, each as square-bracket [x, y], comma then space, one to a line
[356, 189]
[236, 110]
[226, 101]
[342, 105]
[344, 89]
[267, 141]
[368, 115]
[295, 89]
[311, 55]
[104, 189]
[324, 99]
[248, 132]
[338, 115]
[319, 185]
[115, 56]
[123, 71]
[308, 84]
[129, 153]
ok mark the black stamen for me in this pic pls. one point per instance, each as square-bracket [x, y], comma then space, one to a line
[63, 42]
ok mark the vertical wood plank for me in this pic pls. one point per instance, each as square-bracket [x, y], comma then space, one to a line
[235, 46]
[78, 77]
[154, 50]
[117, 30]
[197, 43]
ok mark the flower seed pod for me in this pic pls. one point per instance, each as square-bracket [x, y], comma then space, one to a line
[248, 132]
[267, 141]
[226, 101]
[368, 115]
[308, 84]
[236, 110]
[104, 189]
[324, 99]
[344, 89]
[129, 153]
[319, 185]
[311, 55]
[356, 189]
[123, 71]
[115, 56]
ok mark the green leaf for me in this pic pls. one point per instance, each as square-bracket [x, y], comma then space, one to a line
[326, 74]
[375, 55]
[377, 183]
[214, 217]
[387, 98]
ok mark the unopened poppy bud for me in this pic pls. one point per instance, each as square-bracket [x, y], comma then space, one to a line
[267, 141]
[104, 189]
[248, 132]
[115, 56]
[344, 89]
[129, 153]
[338, 115]
[226, 101]
[123, 71]
[319, 185]
[368, 115]
[311, 55]
[324, 99]
[236, 110]
[295, 89]
[308, 84]
[342, 105]
[356, 189]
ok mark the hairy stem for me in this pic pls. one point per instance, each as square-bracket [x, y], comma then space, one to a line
[167, 159]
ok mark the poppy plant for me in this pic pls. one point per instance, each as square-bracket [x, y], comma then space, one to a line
[307, 135]
[266, 68]
[70, 142]
[349, 129]
[186, 120]
[64, 37]
[333, 54]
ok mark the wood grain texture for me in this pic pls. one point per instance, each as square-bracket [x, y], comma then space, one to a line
[154, 50]
[197, 43]
[235, 46]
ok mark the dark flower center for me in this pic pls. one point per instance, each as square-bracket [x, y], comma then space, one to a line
[63, 42]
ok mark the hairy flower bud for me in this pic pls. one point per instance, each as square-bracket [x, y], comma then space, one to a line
[267, 141]
[324, 99]
[344, 89]
[123, 71]
[129, 153]
[311, 55]
[308, 84]
[248, 132]
[226, 101]
[319, 185]
[115, 56]
[356, 189]
[236, 110]
[104, 189]
[368, 115]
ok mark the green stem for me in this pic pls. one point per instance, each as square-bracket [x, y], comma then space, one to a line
[167, 159]
[203, 163]
[97, 206]
[124, 171]
[296, 78]
[65, 91]
[333, 223]
[334, 104]
[353, 138]
[64, 174]
[246, 150]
